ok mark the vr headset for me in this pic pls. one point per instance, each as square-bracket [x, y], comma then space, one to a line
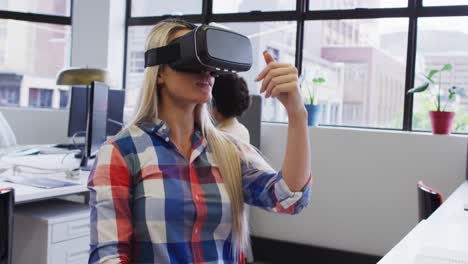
[205, 48]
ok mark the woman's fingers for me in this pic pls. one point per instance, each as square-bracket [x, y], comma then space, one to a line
[280, 80]
[267, 56]
[270, 66]
[283, 88]
[272, 74]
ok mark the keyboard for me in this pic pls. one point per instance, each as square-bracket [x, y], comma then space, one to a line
[70, 146]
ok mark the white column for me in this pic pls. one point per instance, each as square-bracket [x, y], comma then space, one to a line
[90, 33]
[98, 33]
[115, 60]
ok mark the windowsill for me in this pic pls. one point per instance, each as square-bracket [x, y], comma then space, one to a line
[374, 130]
[26, 108]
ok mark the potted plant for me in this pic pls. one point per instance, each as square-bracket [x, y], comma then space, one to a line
[441, 120]
[313, 109]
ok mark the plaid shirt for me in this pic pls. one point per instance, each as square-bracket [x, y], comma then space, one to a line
[151, 205]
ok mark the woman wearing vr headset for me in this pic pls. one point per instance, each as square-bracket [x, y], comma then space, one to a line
[170, 188]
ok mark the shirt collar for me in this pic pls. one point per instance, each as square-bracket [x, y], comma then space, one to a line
[160, 129]
[199, 144]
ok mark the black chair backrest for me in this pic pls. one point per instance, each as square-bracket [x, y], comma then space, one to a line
[7, 198]
[428, 200]
[252, 120]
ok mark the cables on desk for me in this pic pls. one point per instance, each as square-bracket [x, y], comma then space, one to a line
[70, 173]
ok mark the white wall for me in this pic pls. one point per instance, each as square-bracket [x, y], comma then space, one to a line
[98, 34]
[90, 33]
[37, 126]
[364, 195]
[115, 43]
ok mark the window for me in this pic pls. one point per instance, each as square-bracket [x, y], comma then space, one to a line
[141, 8]
[32, 53]
[35, 52]
[135, 63]
[352, 4]
[63, 98]
[360, 47]
[452, 50]
[363, 63]
[280, 39]
[41, 98]
[10, 84]
[50, 7]
[223, 6]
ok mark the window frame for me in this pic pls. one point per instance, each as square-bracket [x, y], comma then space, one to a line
[63, 20]
[414, 10]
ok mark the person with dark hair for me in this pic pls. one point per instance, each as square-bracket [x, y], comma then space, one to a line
[230, 99]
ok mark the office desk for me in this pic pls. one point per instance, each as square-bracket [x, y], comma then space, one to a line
[55, 231]
[444, 232]
[25, 194]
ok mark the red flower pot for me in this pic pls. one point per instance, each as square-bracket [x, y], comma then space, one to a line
[441, 122]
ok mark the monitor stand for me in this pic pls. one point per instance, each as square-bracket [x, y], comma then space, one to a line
[84, 163]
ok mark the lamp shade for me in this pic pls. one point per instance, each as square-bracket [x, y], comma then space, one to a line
[81, 76]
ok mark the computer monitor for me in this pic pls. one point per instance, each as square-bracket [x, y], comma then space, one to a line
[96, 129]
[252, 120]
[78, 107]
[77, 111]
[115, 109]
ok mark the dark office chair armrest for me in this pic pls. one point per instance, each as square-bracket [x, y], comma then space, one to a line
[7, 201]
[428, 200]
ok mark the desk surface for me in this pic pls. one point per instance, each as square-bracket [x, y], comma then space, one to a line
[446, 229]
[24, 193]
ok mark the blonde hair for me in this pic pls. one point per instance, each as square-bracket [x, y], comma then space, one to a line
[226, 154]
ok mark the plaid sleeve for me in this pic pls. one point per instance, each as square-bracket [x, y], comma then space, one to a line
[266, 188]
[111, 227]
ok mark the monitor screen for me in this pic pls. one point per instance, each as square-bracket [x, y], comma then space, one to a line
[115, 109]
[77, 111]
[96, 132]
[78, 106]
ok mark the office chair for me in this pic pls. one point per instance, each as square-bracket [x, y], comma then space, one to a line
[428, 200]
[252, 119]
[6, 224]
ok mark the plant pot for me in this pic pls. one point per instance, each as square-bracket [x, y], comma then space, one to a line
[313, 114]
[441, 122]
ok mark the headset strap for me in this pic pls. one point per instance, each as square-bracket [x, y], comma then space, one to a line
[162, 55]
